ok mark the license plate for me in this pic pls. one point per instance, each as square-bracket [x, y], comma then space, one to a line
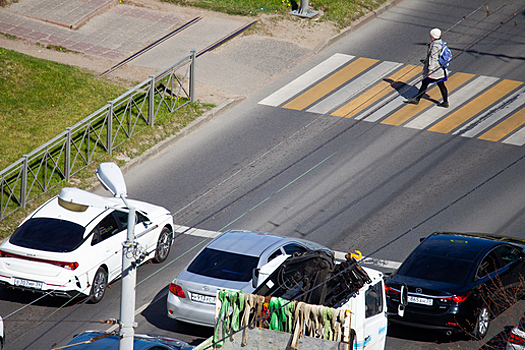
[27, 284]
[418, 300]
[202, 298]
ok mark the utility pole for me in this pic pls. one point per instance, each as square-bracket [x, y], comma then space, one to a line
[304, 11]
[129, 279]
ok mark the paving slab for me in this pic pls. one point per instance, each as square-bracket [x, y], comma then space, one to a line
[67, 13]
[115, 33]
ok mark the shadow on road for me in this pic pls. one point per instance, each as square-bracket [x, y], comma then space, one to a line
[39, 299]
[499, 341]
[421, 335]
[156, 314]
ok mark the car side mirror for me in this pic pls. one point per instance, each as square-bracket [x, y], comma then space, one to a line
[255, 277]
[422, 239]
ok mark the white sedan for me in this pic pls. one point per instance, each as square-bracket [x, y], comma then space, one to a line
[77, 253]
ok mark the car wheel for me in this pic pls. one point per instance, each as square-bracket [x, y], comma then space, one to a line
[482, 323]
[163, 245]
[98, 288]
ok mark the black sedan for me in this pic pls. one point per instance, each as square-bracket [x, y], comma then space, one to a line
[457, 282]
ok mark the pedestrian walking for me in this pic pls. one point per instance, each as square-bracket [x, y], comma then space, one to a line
[433, 71]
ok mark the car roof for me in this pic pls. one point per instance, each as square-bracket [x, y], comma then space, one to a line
[51, 209]
[110, 341]
[467, 246]
[246, 242]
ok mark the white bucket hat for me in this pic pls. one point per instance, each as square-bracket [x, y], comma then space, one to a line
[435, 33]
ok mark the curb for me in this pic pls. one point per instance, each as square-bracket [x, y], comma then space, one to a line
[83, 21]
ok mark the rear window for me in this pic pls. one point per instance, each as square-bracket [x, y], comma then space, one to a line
[436, 268]
[224, 265]
[52, 235]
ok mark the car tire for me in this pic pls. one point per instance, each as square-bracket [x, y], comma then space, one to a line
[98, 287]
[163, 245]
[481, 326]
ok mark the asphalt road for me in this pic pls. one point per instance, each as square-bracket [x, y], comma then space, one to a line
[342, 182]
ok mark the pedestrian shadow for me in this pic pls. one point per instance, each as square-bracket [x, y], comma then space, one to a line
[407, 91]
[402, 88]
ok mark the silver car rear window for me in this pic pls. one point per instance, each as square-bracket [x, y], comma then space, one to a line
[224, 265]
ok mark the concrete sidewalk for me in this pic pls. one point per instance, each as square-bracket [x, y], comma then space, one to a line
[109, 31]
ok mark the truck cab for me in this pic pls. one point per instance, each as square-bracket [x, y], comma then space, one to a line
[369, 318]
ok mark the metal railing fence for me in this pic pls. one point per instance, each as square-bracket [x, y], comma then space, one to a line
[100, 133]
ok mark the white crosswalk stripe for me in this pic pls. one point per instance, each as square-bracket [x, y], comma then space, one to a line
[394, 101]
[517, 139]
[498, 112]
[355, 87]
[463, 94]
[307, 79]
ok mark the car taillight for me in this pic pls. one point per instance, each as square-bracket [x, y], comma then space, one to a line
[177, 290]
[64, 264]
[456, 299]
[391, 291]
[516, 339]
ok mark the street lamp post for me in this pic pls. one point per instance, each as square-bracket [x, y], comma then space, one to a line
[127, 295]
[112, 179]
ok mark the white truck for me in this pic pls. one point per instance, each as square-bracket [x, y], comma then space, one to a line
[314, 279]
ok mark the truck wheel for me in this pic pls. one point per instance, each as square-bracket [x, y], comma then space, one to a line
[163, 245]
[98, 288]
[482, 323]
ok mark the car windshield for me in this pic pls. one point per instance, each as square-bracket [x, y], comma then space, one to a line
[224, 265]
[47, 234]
[434, 267]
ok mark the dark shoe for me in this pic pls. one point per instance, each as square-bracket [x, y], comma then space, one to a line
[412, 100]
[443, 104]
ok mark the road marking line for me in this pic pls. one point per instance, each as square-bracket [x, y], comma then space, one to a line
[492, 116]
[395, 100]
[331, 83]
[307, 79]
[192, 231]
[457, 98]
[387, 264]
[505, 127]
[475, 106]
[377, 92]
[518, 139]
[409, 110]
[355, 87]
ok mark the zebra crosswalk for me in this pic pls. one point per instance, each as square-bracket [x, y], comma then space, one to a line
[483, 107]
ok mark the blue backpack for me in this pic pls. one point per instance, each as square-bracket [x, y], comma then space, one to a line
[446, 56]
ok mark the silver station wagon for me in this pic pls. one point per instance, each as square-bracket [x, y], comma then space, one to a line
[233, 260]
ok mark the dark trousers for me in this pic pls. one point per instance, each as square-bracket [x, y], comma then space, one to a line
[440, 84]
